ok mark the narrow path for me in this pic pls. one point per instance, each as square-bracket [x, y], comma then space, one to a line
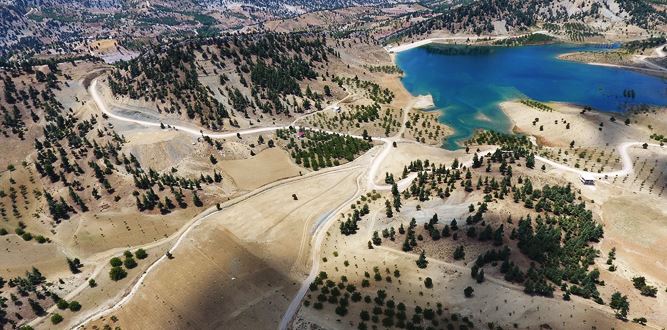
[644, 60]
[661, 51]
[194, 132]
[625, 158]
[202, 132]
[320, 234]
[322, 230]
[329, 107]
[102, 258]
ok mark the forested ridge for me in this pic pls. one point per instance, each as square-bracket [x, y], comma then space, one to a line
[256, 76]
[67, 151]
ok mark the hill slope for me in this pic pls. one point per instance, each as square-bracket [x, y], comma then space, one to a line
[486, 16]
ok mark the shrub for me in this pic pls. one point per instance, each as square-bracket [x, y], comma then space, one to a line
[468, 292]
[117, 273]
[56, 318]
[130, 263]
[62, 304]
[116, 262]
[141, 254]
[74, 306]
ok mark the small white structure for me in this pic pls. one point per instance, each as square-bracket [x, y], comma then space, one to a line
[336, 108]
[587, 179]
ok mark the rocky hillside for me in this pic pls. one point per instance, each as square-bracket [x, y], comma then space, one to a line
[60, 27]
[495, 16]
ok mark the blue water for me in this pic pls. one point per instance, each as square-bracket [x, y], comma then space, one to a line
[468, 88]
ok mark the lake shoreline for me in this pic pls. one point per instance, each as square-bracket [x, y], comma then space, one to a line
[612, 60]
[466, 38]
[469, 90]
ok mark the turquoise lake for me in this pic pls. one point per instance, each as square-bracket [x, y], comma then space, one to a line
[467, 89]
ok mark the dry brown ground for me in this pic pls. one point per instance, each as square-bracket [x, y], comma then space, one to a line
[96, 232]
[616, 58]
[268, 166]
[584, 128]
[406, 152]
[630, 208]
[636, 228]
[620, 57]
[319, 19]
[494, 301]
[249, 260]
[19, 256]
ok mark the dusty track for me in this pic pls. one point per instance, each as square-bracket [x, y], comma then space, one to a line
[102, 258]
[322, 226]
[625, 157]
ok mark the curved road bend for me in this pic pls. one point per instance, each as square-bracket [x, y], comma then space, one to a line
[324, 225]
[625, 158]
[193, 131]
[178, 236]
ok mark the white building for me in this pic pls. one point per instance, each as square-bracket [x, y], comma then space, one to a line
[587, 179]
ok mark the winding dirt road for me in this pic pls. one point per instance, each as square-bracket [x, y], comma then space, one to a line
[322, 226]
[92, 90]
[625, 158]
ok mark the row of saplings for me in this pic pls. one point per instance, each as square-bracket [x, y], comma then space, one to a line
[63, 304]
[383, 310]
[116, 273]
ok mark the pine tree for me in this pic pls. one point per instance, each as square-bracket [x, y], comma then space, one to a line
[397, 202]
[422, 262]
[480, 276]
[619, 303]
[376, 238]
[459, 254]
[196, 200]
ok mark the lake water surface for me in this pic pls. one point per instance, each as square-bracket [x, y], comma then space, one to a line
[468, 88]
